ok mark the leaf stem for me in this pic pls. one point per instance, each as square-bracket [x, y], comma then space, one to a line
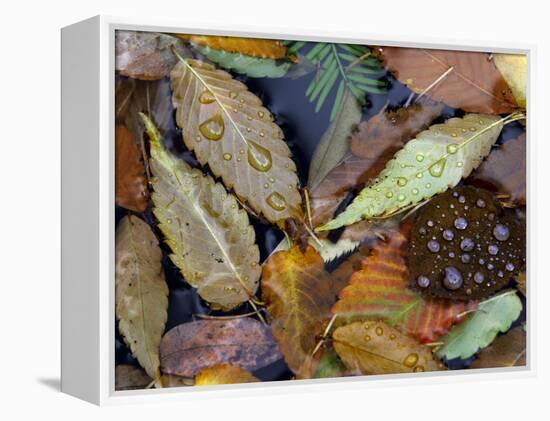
[324, 336]
[434, 83]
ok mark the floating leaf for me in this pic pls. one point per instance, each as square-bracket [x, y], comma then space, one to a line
[437, 159]
[255, 47]
[146, 55]
[504, 171]
[128, 377]
[229, 130]
[494, 315]
[514, 70]
[375, 348]
[474, 84]
[298, 296]
[380, 290]
[188, 348]
[141, 291]
[130, 182]
[212, 241]
[223, 374]
[335, 141]
[508, 350]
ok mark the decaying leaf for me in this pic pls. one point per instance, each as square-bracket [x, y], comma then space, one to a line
[437, 159]
[190, 347]
[223, 374]
[504, 171]
[146, 55]
[212, 241]
[229, 130]
[474, 84]
[171, 380]
[141, 291]
[508, 350]
[521, 281]
[373, 347]
[128, 377]
[298, 296]
[514, 70]
[130, 182]
[493, 316]
[380, 290]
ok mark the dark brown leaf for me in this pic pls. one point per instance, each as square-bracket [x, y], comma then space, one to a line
[508, 350]
[128, 377]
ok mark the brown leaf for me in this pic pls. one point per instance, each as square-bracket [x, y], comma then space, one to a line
[504, 171]
[521, 281]
[146, 55]
[223, 374]
[128, 377]
[474, 85]
[375, 348]
[190, 347]
[130, 182]
[508, 350]
[369, 230]
[298, 296]
[342, 274]
[171, 380]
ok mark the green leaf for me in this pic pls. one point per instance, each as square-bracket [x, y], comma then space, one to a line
[247, 65]
[494, 315]
[329, 366]
[430, 164]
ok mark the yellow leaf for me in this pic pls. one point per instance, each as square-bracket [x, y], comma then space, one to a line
[514, 70]
[223, 374]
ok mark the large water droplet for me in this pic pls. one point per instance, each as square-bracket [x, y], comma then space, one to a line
[501, 232]
[419, 157]
[227, 156]
[479, 278]
[493, 249]
[206, 97]
[480, 203]
[401, 181]
[452, 148]
[276, 201]
[379, 331]
[213, 128]
[467, 244]
[453, 278]
[466, 258]
[259, 157]
[510, 267]
[433, 246]
[423, 281]
[460, 223]
[437, 168]
[448, 234]
[410, 360]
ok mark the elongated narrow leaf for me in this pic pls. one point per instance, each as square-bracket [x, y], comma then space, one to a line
[212, 241]
[223, 374]
[254, 47]
[380, 290]
[141, 291]
[494, 315]
[298, 296]
[373, 347]
[229, 130]
[430, 164]
[508, 350]
[514, 69]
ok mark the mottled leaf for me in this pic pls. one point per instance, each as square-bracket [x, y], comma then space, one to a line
[228, 129]
[298, 295]
[212, 241]
[474, 84]
[514, 70]
[141, 291]
[188, 348]
[223, 374]
[430, 164]
[373, 347]
[255, 47]
[508, 350]
[128, 377]
[494, 315]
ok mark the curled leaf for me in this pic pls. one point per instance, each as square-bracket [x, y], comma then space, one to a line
[373, 347]
[437, 159]
[508, 350]
[223, 374]
[514, 69]
[190, 347]
[141, 291]
[229, 130]
[212, 241]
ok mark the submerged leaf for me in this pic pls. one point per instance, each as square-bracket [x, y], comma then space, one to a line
[430, 164]
[514, 69]
[508, 350]
[128, 377]
[141, 291]
[474, 84]
[298, 296]
[212, 241]
[223, 374]
[229, 130]
[373, 347]
[494, 315]
[255, 47]
[190, 347]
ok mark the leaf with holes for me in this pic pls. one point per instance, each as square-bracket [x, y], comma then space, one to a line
[141, 291]
[437, 159]
[228, 129]
[223, 374]
[212, 241]
[380, 290]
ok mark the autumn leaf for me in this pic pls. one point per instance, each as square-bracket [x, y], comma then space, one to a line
[141, 291]
[128, 377]
[508, 350]
[380, 290]
[297, 293]
[504, 171]
[190, 347]
[514, 70]
[130, 182]
[373, 347]
[171, 380]
[212, 241]
[437, 159]
[228, 129]
[329, 365]
[521, 281]
[340, 276]
[223, 374]
[146, 55]
[474, 84]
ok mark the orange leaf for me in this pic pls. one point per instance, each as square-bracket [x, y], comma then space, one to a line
[379, 290]
[223, 374]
